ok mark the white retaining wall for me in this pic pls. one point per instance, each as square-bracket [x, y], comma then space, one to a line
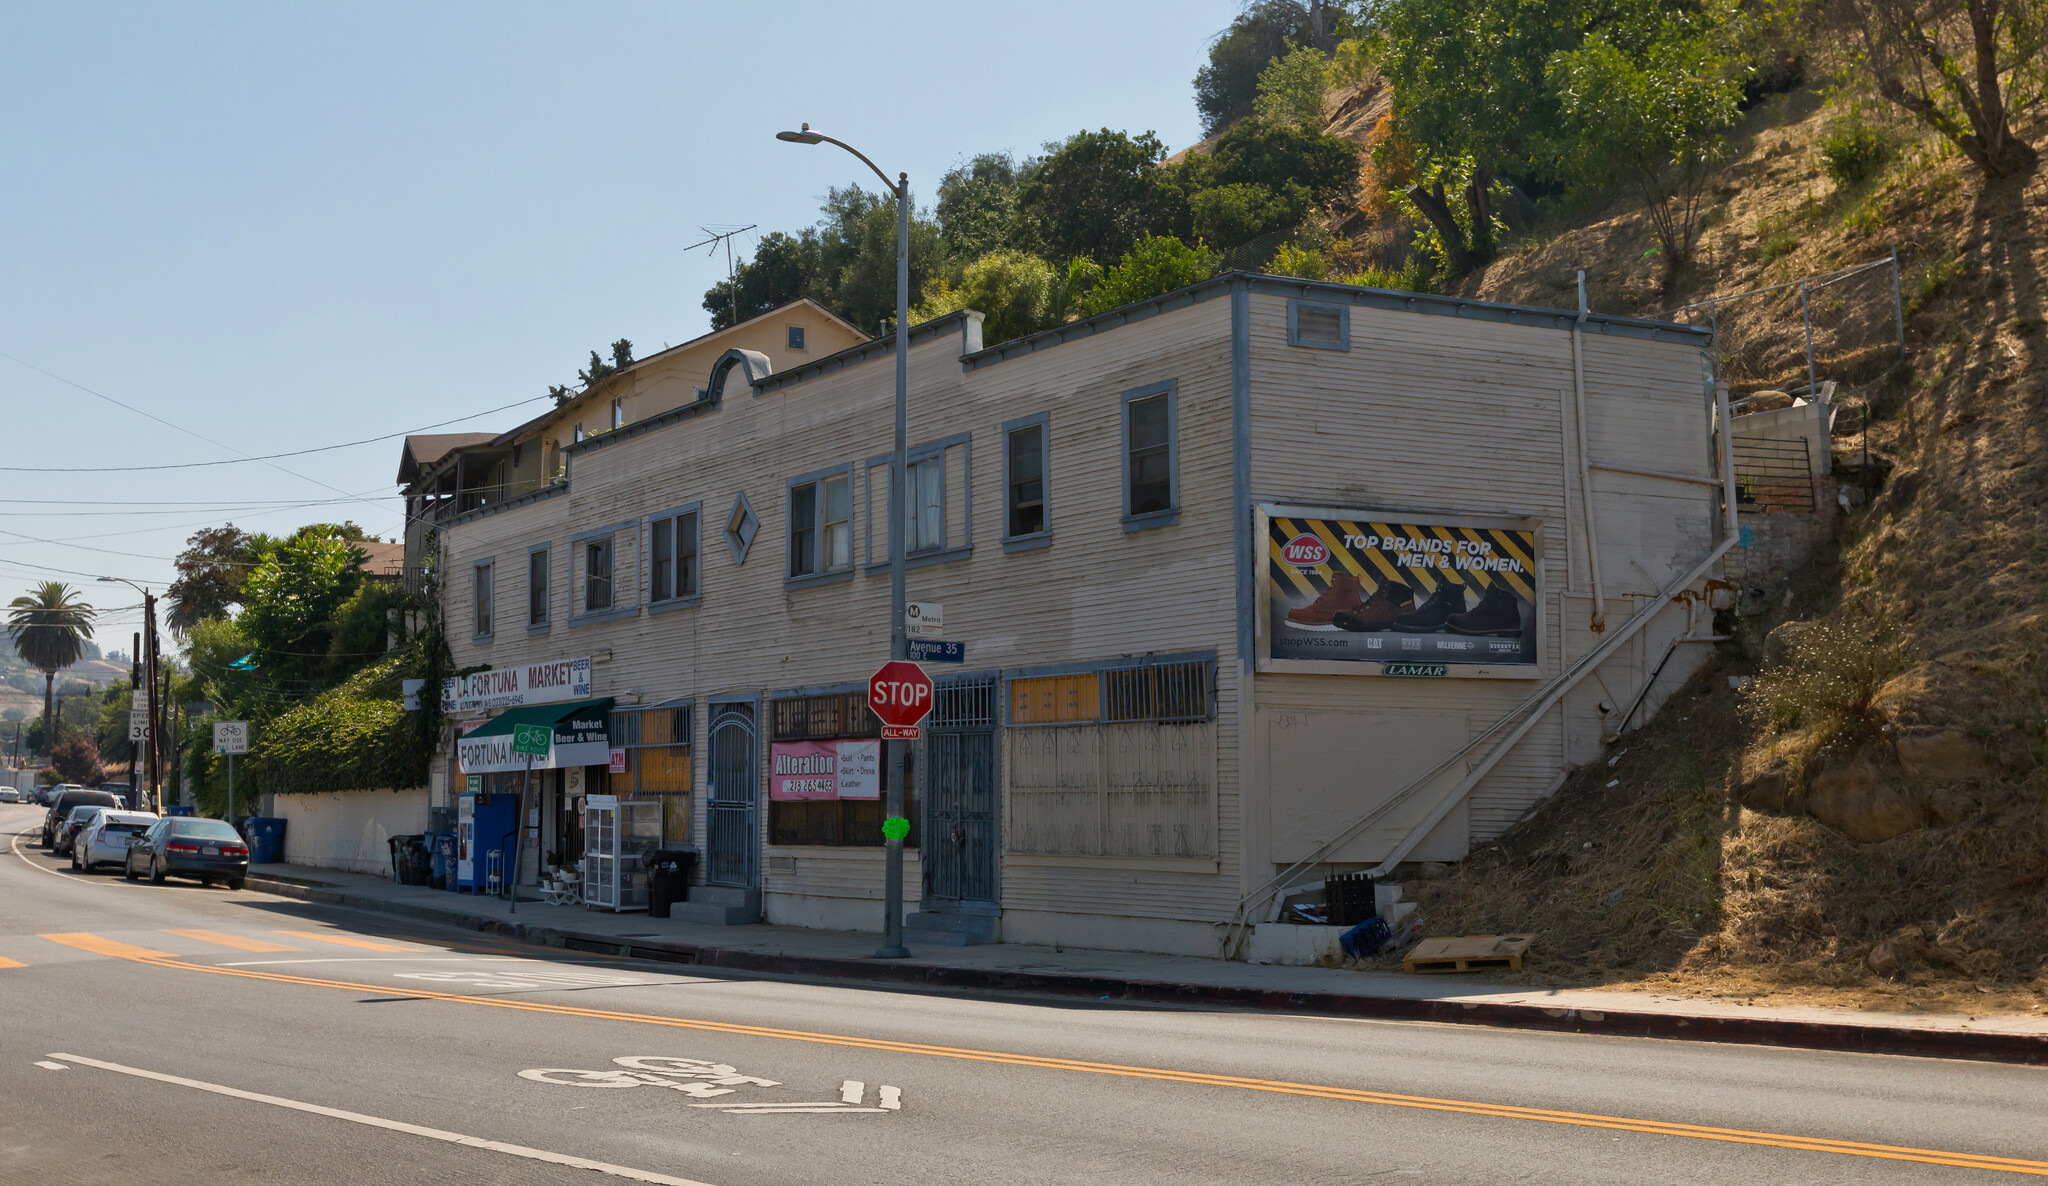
[349, 829]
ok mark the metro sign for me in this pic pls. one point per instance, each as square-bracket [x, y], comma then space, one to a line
[1305, 551]
[901, 695]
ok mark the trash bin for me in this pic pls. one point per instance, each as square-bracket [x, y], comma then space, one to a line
[266, 839]
[441, 860]
[404, 865]
[178, 809]
[668, 878]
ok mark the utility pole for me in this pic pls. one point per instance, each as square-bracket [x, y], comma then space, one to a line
[149, 641]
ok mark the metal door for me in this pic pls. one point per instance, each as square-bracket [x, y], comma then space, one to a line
[961, 799]
[732, 834]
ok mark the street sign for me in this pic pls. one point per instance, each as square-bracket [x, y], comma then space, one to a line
[924, 619]
[138, 700]
[138, 724]
[933, 650]
[231, 737]
[411, 689]
[901, 733]
[900, 693]
[532, 739]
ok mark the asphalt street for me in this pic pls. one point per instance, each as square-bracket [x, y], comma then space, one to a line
[178, 1034]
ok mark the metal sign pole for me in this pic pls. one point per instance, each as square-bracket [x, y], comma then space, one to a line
[231, 786]
[519, 834]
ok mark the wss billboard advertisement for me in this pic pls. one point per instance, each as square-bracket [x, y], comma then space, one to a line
[1415, 597]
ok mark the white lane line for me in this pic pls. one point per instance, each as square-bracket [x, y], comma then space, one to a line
[851, 1091]
[384, 959]
[892, 1098]
[47, 1065]
[433, 1134]
[27, 860]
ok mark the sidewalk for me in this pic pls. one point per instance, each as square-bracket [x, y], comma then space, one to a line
[1177, 980]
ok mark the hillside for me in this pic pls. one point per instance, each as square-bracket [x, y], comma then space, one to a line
[1908, 667]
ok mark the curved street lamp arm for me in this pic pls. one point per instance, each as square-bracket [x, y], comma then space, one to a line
[893, 186]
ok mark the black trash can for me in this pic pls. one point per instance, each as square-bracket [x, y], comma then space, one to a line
[668, 878]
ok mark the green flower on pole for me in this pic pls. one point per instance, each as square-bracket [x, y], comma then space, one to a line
[895, 827]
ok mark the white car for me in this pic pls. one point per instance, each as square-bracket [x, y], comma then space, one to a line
[106, 839]
[9, 795]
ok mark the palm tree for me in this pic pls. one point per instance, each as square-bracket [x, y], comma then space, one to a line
[49, 630]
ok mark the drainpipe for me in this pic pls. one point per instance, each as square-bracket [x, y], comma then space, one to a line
[1727, 461]
[1599, 622]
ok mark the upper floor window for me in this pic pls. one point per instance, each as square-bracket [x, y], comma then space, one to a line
[578, 433]
[672, 557]
[537, 587]
[618, 412]
[821, 525]
[796, 337]
[924, 512]
[1149, 461]
[597, 575]
[482, 600]
[1024, 478]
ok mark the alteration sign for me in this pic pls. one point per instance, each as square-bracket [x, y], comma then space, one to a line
[1411, 597]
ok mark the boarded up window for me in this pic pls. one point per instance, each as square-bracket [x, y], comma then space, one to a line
[836, 823]
[1141, 783]
[657, 745]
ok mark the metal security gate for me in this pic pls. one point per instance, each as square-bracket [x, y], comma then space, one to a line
[961, 796]
[732, 835]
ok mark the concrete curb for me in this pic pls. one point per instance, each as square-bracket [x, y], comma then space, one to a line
[1979, 1045]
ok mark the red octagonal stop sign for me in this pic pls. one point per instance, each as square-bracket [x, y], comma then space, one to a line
[900, 693]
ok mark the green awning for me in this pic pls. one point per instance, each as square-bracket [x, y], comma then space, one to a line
[541, 714]
[581, 732]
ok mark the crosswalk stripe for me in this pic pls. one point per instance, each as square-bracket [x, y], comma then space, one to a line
[100, 945]
[346, 941]
[235, 941]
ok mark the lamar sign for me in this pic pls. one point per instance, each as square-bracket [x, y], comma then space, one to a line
[533, 683]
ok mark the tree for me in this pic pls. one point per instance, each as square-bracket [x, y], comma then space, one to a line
[1227, 86]
[1013, 289]
[1292, 89]
[1472, 93]
[76, 759]
[1653, 113]
[977, 204]
[211, 569]
[847, 262]
[110, 733]
[1158, 264]
[1096, 195]
[784, 268]
[1963, 67]
[289, 608]
[50, 629]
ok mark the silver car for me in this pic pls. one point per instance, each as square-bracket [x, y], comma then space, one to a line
[105, 840]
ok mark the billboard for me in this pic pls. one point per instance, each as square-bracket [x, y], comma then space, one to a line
[1400, 597]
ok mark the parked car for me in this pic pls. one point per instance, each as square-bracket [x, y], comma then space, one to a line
[72, 795]
[189, 846]
[9, 795]
[78, 821]
[122, 791]
[106, 839]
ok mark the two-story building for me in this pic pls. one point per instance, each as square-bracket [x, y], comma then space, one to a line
[1256, 579]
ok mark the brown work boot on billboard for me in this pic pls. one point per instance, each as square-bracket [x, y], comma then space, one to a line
[1497, 614]
[1429, 619]
[1378, 613]
[1344, 593]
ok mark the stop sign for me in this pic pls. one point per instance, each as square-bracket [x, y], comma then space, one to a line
[900, 693]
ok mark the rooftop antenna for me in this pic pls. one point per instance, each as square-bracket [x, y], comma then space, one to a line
[725, 236]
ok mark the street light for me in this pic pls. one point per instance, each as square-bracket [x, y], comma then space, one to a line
[899, 647]
[149, 676]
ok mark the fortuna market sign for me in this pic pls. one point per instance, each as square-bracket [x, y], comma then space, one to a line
[531, 683]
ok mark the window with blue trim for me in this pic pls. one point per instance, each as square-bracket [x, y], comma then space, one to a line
[672, 557]
[1149, 461]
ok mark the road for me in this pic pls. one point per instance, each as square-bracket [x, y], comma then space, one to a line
[178, 1034]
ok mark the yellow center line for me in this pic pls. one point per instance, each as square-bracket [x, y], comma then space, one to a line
[1354, 1095]
[345, 941]
[235, 941]
[8, 963]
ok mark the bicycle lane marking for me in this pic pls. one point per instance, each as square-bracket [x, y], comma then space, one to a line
[398, 1126]
[1281, 1087]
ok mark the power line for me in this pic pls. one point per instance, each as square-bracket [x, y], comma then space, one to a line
[95, 469]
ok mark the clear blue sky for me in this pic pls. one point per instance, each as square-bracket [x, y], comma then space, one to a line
[285, 225]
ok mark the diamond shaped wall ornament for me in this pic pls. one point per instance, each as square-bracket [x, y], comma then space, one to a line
[740, 528]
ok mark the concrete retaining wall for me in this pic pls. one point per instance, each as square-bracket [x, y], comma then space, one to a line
[350, 829]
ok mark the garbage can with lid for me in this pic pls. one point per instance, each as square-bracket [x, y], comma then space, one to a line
[266, 839]
[668, 878]
[441, 859]
[404, 865]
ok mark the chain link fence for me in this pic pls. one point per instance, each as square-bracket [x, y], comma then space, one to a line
[1846, 326]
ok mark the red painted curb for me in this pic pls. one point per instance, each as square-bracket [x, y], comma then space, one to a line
[1979, 1045]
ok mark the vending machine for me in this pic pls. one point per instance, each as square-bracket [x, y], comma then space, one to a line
[484, 823]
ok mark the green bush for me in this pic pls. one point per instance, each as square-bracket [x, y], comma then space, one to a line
[1828, 679]
[356, 737]
[1156, 265]
[1853, 155]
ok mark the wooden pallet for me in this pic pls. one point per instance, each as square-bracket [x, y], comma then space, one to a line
[1468, 953]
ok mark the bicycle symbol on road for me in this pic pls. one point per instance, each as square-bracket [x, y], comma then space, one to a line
[702, 1079]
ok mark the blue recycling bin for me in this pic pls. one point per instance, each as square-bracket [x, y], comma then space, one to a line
[441, 846]
[266, 839]
[178, 809]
